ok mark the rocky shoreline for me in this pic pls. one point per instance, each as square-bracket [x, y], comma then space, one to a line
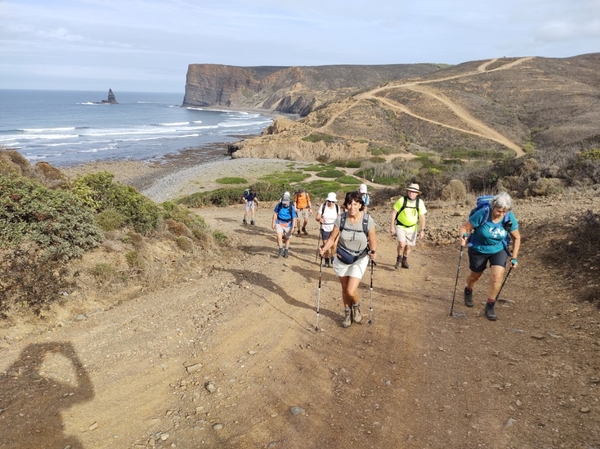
[183, 173]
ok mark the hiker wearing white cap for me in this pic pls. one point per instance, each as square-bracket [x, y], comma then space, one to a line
[365, 197]
[284, 217]
[326, 215]
[408, 223]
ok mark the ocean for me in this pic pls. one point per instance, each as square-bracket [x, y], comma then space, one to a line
[66, 128]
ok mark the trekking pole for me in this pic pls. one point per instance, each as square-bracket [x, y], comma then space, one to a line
[319, 294]
[318, 244]
[371, 294]
[503, 282]
[456, 282]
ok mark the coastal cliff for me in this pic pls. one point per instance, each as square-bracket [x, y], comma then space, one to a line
[289, 90]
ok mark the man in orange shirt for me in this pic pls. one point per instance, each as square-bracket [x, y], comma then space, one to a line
[303, 207]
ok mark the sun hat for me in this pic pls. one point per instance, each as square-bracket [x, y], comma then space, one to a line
[286, 198]
[331, 197]
[413, 188]
[362, 188]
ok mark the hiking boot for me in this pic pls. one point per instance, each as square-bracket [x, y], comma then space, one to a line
[326, 262]
[244, 221]
[469, 297]
[286, 253]
[490, 314]
[398, 261]
[251, 222]
[347, 317]
[304, 231]
[331, 262]
[404, 262]
[280, 252]
[356, 315]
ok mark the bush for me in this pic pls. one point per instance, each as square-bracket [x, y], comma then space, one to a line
[29, 279]
[231, 180]
[60, 225]
[455, 190]
[319, 137]
[330, 174]
[100, 190]
[110, 220]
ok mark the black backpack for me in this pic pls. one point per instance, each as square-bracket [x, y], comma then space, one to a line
[337, 208]
[290, 207]
[404, 207]
[365, 222]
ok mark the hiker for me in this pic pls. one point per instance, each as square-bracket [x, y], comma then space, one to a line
[354, 232]
[304, 208]
[365, 196]
[250, 198]
[490, 229]
[408, 223]
[326, 215]
[284, 216]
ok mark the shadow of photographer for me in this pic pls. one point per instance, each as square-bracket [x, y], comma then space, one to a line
[45, 380]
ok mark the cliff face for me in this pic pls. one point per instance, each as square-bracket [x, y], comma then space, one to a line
[291, 90]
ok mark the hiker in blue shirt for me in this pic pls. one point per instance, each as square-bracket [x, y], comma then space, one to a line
[365, 197]
[490, 230]
[284, 217]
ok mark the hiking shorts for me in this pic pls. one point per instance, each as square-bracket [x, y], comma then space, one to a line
[249, 206]
[303, 213]
[325, 235]
[285, 231]
[478, 261]
[407, 235]
[354, 270]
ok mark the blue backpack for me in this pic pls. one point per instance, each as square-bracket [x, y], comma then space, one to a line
[485, 202]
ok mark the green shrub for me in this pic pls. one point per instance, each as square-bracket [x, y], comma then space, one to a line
[220, 236]
[57, 221]
[330, 174]
[133, 259]
[348, 180]
[231, 180]
[110, 220]
[105, 273]
[29, 279]
[139, 211]
[350, 163]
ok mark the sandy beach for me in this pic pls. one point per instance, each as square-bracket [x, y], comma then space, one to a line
[181, 174]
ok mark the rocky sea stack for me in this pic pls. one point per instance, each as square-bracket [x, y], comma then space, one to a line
[111, 98]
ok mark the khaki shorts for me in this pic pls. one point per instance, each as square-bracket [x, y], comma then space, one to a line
[354, 270]
[303, 213]
[407, 235]
[286, 231]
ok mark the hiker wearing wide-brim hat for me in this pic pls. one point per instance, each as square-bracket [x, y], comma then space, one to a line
[326, 215]
[408, 223]
[284, 217]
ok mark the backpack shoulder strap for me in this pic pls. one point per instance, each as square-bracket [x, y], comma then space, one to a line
[402, 208]
[337, 208]
[342, 221]
[365, 223]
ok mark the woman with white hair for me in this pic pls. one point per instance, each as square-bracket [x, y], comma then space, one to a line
[490, 227]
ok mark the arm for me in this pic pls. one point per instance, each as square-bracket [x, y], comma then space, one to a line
[273, 220]
[516, 236]
[422, 221]
[372, 238]
[464, 231]
[393, 222]
[330, 242]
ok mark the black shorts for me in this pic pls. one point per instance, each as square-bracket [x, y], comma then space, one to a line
[478, 261]
[325, 235]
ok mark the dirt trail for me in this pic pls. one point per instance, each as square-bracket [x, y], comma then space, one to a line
[415, 378]
[482, 130]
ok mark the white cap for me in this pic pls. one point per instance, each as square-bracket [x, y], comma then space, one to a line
[286, 197]
[363, 188]
[331, 197]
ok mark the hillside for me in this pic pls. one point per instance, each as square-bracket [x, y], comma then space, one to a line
[492, 107]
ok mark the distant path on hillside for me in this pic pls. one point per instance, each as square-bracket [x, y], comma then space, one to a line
[481, 129]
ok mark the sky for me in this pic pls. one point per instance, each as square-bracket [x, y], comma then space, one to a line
[147, 45]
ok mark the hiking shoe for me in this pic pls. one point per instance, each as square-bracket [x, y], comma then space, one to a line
[244, 221]
[251, 222]
[490, 314]
[286, 253]
[347, 317]
[404, 263]
[326, 262]
[280, 252]
[356, 315]
[331, 262]
[469, 297]
[298, 231]
[304, 231]
[398, 261]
